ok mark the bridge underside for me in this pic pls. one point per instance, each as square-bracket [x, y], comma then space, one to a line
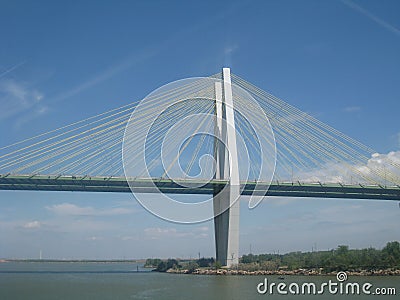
[120, 185]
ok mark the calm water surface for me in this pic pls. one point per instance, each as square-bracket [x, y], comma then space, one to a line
[23, 280]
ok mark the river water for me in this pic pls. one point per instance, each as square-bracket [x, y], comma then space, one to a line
[45, 280]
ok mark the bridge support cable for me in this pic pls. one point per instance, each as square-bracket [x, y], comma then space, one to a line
[88, 147]
[317, 152]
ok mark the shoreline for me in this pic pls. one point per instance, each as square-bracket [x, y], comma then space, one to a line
[301, 272]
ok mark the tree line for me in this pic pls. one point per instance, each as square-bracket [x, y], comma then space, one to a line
[340, 259]
[190, 265]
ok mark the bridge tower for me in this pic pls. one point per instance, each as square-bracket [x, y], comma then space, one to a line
[226, 222]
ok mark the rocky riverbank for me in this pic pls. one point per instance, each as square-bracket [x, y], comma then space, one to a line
[312, 272]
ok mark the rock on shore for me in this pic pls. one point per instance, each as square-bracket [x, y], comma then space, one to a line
[304, 272]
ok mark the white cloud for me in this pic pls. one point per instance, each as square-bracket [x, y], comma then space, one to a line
[75, 210]
[203, 228]
[15, 90]
[351, 109]
[32, 225]
[158, 230]
[228, 53]
[378, 169]
[95, 238]
[17, 97]
[35, 113]
[229, 49]
[156, 233]
[129, 238]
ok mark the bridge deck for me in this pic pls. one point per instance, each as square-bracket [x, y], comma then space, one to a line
[120, 185]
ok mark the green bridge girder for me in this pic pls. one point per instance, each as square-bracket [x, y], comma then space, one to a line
[142, 185]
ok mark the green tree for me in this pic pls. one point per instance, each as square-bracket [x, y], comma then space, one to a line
[217, 265]
[162, 267]
[205, 262]
[152, 262]
[192, 266]
[391, 254]
[169, 264]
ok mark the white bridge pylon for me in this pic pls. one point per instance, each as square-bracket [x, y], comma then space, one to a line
[226, 221]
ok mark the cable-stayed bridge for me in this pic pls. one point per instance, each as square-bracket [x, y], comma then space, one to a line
[219, 136]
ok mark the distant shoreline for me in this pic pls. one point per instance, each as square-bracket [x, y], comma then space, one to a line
[75, 260]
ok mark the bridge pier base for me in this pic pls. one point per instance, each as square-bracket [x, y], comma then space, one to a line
[226, 221]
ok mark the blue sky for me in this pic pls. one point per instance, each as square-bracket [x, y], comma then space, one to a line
[61, 62]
